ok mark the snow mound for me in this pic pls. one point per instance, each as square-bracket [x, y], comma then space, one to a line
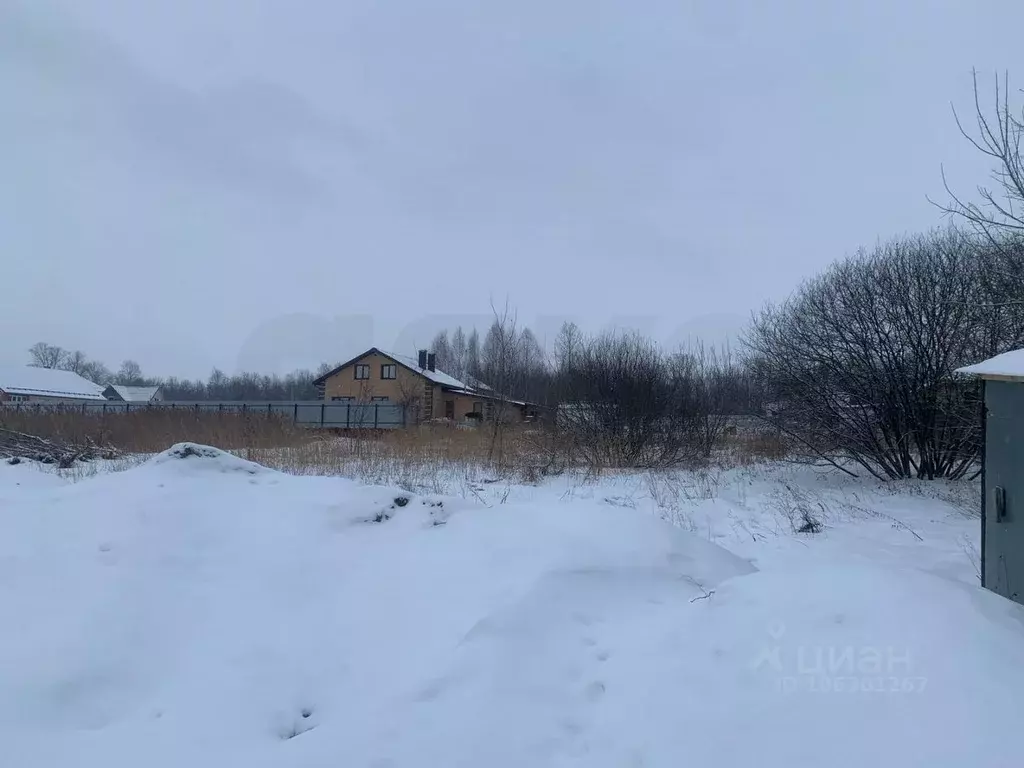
[207, 458]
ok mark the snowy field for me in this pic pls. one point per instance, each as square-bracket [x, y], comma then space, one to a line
[204, 611]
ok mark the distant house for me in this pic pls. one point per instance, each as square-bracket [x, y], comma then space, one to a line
[26, 384]
[124, 393]
[376, 376]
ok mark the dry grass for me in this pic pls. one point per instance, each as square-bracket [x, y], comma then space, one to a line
[155, 430]
[439, 458]
[427, 458]
[433, 458]
[430, 457]
[745, 447]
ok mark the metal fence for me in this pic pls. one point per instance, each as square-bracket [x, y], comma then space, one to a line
[305, 413]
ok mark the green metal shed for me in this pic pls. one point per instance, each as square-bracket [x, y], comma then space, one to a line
[1002, 473]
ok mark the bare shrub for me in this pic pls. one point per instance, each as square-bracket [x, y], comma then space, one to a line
[805, 512]
[626, 404]
[860, 361]
[970, 550]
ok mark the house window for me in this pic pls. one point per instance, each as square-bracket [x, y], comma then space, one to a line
[362, 372]
[389, 371]
[19, 398]
[478, 408]
[343, 399]
[379, 399]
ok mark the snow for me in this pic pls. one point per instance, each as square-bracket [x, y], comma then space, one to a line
[204, 610]
[1007, 364]
[47, 382]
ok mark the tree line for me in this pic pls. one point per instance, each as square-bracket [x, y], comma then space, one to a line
[297, 385]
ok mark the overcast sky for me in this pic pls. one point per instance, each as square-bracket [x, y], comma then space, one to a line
[265, 184]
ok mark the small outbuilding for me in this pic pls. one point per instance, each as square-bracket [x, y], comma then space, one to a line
[124, 393]
[1002, 473]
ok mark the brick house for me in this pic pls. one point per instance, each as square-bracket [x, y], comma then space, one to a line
[429, 394]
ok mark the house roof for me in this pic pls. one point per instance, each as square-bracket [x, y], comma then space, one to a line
[1009, 365]
[438, 377]
[486, 395]
[132, 394]
[47, 382]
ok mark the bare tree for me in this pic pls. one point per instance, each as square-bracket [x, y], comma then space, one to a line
[567, 345]
[452, 352]
[75, 361]
[501, 366]
[997, 135]
[457, 363]
[96, 372]
[998, 213]
[129, 373]
[217, 384]
[45, 355]
[535, 377]
[472, 364]
[442, 350]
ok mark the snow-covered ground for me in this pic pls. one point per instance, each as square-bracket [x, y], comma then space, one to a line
[204, 611]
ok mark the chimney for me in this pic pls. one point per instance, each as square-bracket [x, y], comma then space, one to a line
[422, 359]
[431, 361]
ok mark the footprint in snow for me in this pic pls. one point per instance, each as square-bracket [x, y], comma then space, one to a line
[570, 727]
[594, 691]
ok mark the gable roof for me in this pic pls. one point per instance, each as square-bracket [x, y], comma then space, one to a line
[438, 377]
[131, 394]
[47, 382]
